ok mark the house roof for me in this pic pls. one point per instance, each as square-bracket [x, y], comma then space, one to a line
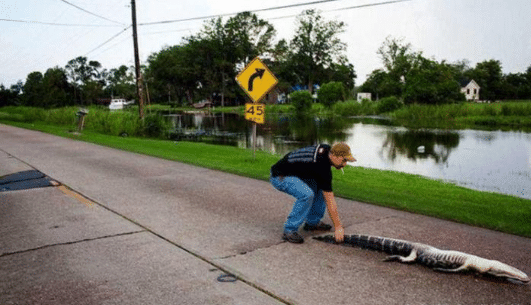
[467, 83]
[472, 83]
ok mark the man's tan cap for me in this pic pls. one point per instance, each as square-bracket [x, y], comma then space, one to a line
[342, 150]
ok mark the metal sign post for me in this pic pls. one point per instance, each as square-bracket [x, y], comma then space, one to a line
[256, 80]
[254, 140]
[255, 112]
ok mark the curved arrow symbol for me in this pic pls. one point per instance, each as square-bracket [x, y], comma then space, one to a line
[258, 73]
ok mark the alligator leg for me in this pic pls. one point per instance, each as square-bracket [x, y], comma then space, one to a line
[409, 259]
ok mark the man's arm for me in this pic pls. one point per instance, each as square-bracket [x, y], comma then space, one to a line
[332, 212]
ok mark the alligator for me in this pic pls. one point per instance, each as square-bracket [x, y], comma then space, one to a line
[440, 260]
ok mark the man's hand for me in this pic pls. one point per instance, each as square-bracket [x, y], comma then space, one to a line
[340, 234]
[332, 211]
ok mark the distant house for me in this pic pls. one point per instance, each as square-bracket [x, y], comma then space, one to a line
[364, 95]
[471, 91]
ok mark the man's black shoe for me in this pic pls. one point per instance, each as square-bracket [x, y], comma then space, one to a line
[293, 237]
[318, 227]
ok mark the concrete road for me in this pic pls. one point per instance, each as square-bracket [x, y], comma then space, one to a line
[124, 228]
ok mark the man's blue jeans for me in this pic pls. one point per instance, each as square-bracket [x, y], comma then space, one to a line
[309, 205]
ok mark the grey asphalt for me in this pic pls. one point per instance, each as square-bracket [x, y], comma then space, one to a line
[123, 228]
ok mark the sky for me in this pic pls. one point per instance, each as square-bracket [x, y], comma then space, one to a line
[36, 35]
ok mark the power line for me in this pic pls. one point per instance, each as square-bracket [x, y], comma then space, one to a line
[271, 9]
[366, 5]
[168, 31]
[110, 47]
[84, 10]
[55, 24]
[345, 8]
[230, 14]
[108, 40]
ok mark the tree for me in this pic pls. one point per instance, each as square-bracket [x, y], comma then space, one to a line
[415, 79]
[316, 47]
[398, 59]
[515, 86]
[205, 65]
[234, 44]
[281, 66]
[80, 71]
[177, 71]
[488, 75]
[375, 84]
[121, 83]
[331, 92]
[92, 90]
[397, 56]
[343, 73]
[246, 37]
[85, 77]
[301, 100]
[10, 96]
[381, 84]
[459, 70]
[56, 88]
[528, 74]
[430, 82]
[33, 89]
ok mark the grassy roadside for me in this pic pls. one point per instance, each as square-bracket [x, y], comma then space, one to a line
[391, 189]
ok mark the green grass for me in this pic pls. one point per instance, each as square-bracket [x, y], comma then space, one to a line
[504, 115]
[401, 191]
[99, 119]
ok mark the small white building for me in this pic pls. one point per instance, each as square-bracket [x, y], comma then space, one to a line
[364, 95]
[471, 91]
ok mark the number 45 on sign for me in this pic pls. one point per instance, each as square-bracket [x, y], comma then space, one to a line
[255, 112]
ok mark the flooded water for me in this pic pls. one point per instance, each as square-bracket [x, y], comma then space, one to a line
[497, 161]
[486, 160]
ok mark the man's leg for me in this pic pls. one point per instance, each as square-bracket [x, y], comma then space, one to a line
[317, 209]
[304, 196]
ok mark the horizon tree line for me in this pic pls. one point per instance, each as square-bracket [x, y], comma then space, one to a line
[204, 66]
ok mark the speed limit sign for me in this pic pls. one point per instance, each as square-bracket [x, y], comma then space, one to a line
[255, 112]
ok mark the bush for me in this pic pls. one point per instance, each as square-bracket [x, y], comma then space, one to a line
[318, 108]
[301, 100]
[331, 92]
[155, 126]
[349, 108]
[388, 104]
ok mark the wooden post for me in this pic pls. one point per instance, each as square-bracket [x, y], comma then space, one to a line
[81, 123]
[139, 94]
[254, 140]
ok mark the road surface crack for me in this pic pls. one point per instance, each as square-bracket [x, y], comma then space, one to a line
[241, 253]
[70, 243]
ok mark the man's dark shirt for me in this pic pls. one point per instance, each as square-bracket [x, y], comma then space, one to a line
[311, 162]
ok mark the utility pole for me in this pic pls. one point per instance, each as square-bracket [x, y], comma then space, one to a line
[139, 95]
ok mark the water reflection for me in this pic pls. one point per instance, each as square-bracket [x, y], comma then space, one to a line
[487, 160]
[423, 144]
[307, 130]
[205, 127]
[280, 134]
